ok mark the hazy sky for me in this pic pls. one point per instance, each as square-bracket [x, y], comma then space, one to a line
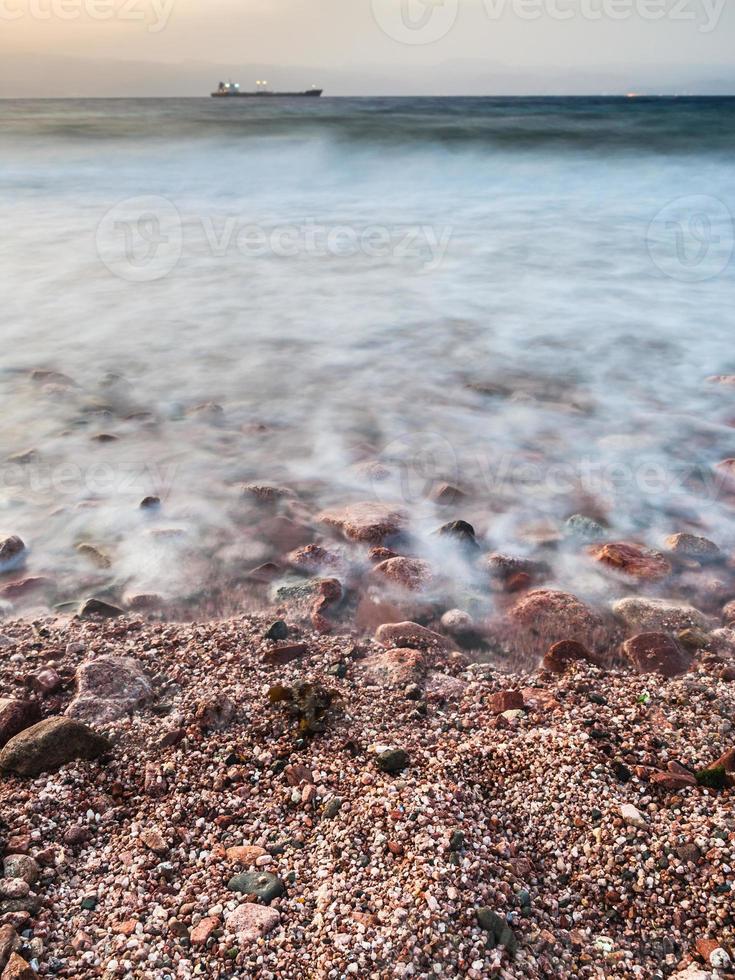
[169, 47]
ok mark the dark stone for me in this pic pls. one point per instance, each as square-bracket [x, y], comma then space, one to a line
[263, 884]
[392, 761]
[98, 607]
[459, 531]
[277, 631]
[50, 744]
[332, 808]
[499, 932]
[456, 841]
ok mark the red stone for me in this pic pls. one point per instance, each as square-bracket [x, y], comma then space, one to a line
[656, 653]
[285, 654]
[632, 560]
[368, 521]
[15, 715]
[505, 701]
[560, 656]
[413, 574]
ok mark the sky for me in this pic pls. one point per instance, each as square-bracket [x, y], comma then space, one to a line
[365, 47]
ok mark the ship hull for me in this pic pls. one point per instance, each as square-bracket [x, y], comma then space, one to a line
[313, 93]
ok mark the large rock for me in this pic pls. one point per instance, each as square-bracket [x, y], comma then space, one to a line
[99, 609]
[412, 574]
[658, 615]
[411, 635]
[12, 553]
[395, 668]
[692, 546]
[18, 969]
[544, 617]
[15, 715]
[249, 922]
[109, 688]
[632, 560]
[50, 744]
[657, 653]
[368, 521]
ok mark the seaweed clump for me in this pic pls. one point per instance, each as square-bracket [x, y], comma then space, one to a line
[308, 703]
[713, 778]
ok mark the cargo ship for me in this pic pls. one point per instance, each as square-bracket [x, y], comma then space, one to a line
[229, 90]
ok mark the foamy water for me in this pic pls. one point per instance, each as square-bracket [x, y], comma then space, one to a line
[520, 297]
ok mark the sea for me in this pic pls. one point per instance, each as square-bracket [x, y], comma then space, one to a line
[500, 310]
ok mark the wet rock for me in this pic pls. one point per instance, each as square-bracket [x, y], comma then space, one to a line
[498, 930]
[12, 553]
[143, 601]
[658, 615]
[392, 761]
[329, 595]
[692, 546]
[656, 653]
[507, 572]
[560, 656]
[728, 612]
[50, 744]
[368, 521]
[262, 884]
[544, 617]
[396, 668]
[461, 532]
[632, 560]
[446, 494]
[15, 716]
[92, 608]
[313, 558]
[150, 503]
[94, 555]
[109, 688]
[584, 528]
[250, 922]
[265, 492]
[412, 635]
[412, 574]
[25, 586]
